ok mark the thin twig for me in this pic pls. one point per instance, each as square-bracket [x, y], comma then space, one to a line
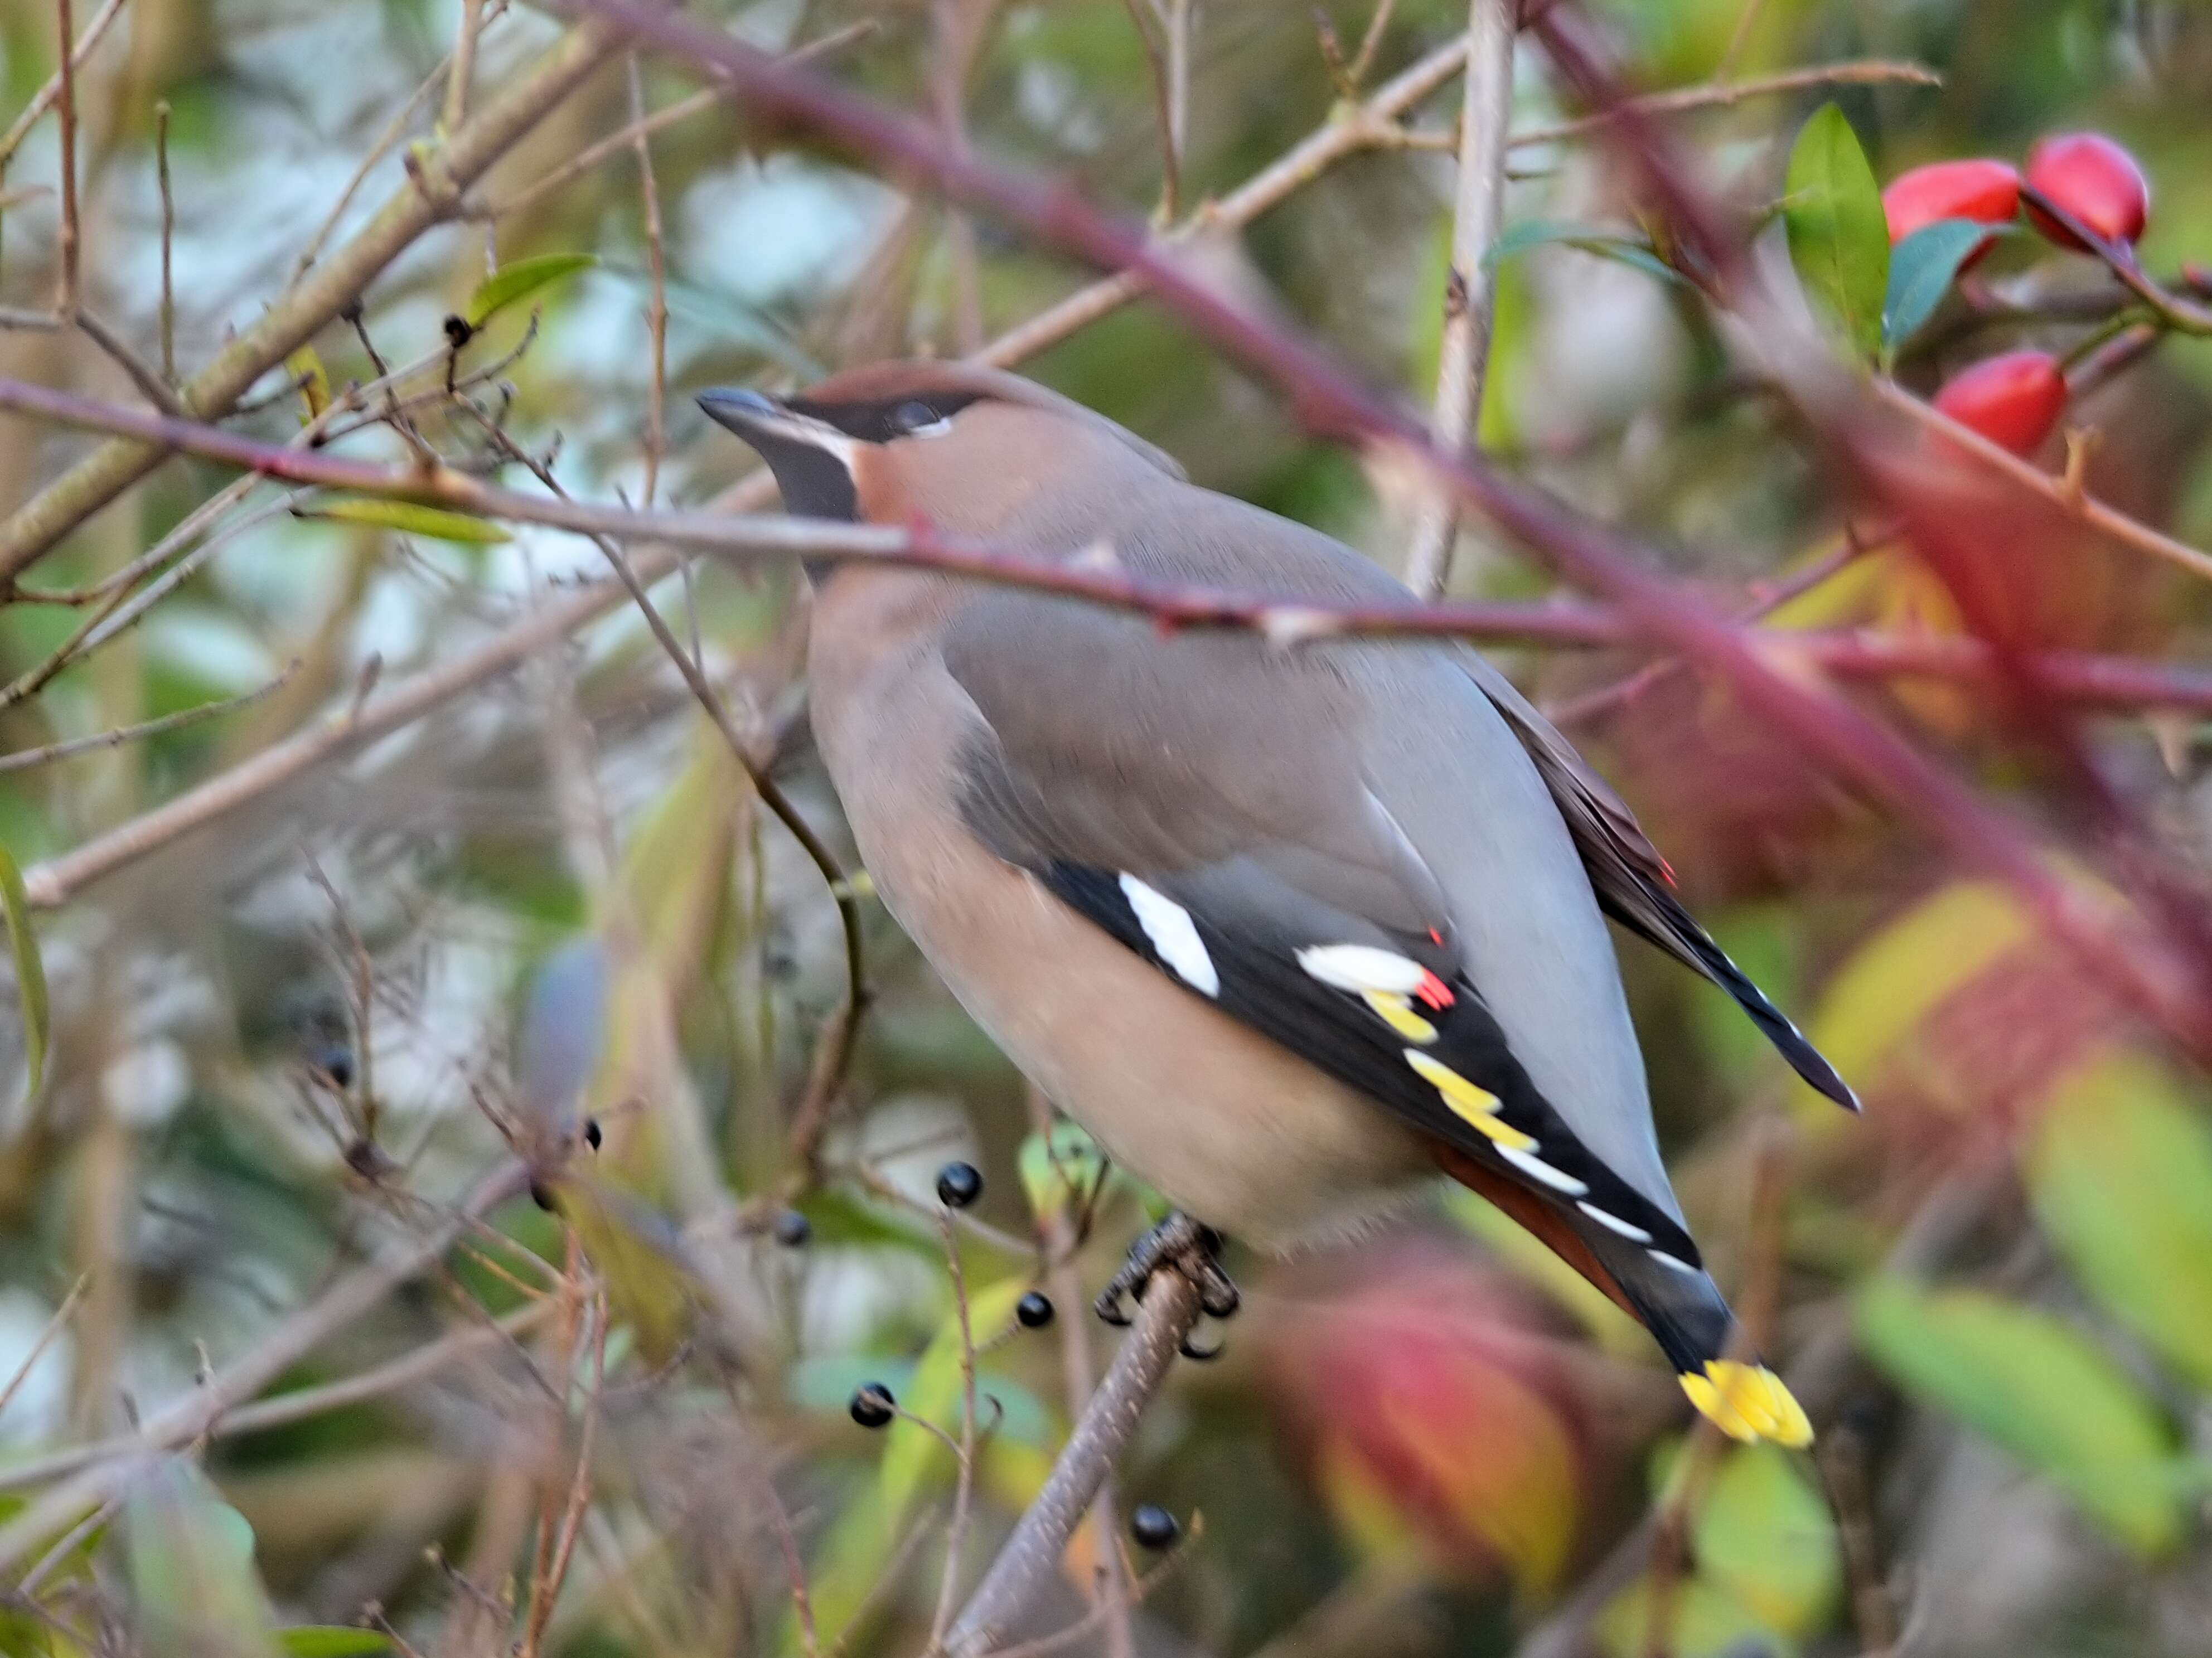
[151, 385]
[25, 759]
[960, 26]
[66, 293]
[1478, 210]
[1031, 1556]
[964, 1483]
[1866, 71]
[656, 314]
[53, 1328]
[45, 98]
[464, 62]
[682, 109]
[1363, 62]
[1156, 67]
[379, 148]
[1745, 21]
[168, 236]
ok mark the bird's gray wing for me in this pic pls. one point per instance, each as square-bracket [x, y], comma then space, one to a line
[1202, 799]
[1633, 882]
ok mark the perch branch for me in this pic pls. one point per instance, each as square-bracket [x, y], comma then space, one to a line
[1031, 1556]
[1478, 209]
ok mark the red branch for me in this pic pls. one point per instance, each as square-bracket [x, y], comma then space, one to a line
[2115, 683]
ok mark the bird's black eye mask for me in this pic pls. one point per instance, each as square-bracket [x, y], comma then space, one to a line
[921, 415]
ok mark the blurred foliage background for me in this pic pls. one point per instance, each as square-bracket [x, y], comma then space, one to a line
[282, 1047]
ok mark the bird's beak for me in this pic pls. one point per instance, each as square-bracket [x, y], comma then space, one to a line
[770, 425]
[813, 462]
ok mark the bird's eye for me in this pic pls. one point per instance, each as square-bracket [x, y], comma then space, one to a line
[919, 419]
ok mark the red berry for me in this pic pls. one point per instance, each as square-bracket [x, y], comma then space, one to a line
[1985, 191]
[2095, 180]
[2013, 400]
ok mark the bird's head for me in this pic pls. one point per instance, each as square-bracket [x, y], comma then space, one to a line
[962, 448]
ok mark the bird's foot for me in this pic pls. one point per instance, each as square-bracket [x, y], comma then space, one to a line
[1180, 1244]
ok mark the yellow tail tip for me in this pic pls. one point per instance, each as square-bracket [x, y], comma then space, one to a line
[1748, 1402]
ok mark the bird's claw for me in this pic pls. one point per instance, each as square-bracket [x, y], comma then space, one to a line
[1184, 1245]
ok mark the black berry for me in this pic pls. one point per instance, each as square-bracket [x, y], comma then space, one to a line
[958, 1185]
[1034, 1310]
[872, 1407]
[792, 1229]
[1153, 1526]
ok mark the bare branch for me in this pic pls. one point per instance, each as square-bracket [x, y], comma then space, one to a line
[1031, 1556]
[65, 72]
[1680, 100]
[168, 236]
[24, 760]
[1478, 210]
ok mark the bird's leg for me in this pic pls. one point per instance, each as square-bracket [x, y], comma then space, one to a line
[1184, 1245]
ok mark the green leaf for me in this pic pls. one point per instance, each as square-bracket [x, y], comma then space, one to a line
[191, 1561]
[2042, 1392]
[305, 365]
[1765, 1535]
[2119, 1168]
[914, 1453]
[1921, 269]
[408, 519]
[1839, 237]
[333, 1641]
[30, 970]
[1705, 1621]
[1630, 250]
[1061, 1169]
[520, 280]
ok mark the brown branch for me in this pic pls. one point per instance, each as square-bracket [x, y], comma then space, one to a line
[168, 236]
[1478, 210]
[424, 200]
[65, 71]
[1031, 1556]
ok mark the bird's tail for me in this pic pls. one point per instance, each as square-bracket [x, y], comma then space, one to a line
[1683, 1308]
[1674, 1298]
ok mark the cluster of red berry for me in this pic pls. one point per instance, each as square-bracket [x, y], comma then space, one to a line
[2015, 399]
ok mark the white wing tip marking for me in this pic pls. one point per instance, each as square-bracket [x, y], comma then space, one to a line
[1174, 935]
[1363, 968]
[1537, 1169]
[1676, 1262]
[1633, 1234]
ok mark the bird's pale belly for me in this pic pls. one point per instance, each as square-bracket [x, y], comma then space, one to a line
[1238, 1132]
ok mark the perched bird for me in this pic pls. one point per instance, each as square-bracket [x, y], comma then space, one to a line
[1286, 929]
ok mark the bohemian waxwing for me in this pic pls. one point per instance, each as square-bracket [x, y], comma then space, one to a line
[1286, 929]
